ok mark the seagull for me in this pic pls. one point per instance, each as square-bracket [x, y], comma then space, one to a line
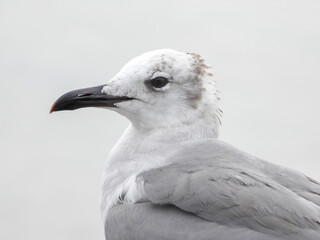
[170, 177]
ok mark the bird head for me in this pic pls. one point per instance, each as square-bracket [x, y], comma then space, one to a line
[156, 89]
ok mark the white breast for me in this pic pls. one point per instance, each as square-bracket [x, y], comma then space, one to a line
[132, 155]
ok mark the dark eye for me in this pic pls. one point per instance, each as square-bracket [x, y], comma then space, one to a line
[159, 82]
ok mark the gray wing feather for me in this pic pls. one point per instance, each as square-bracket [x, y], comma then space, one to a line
[223, 185]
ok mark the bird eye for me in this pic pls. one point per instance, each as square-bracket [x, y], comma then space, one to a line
[159, 82]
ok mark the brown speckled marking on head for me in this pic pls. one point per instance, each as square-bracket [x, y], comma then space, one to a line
[195, 99]
[200, 68]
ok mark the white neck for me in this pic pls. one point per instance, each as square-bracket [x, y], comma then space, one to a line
[178, 132]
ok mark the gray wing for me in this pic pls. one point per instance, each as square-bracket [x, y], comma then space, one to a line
[151, 221]
[222, 185]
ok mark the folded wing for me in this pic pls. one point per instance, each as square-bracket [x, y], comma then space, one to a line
[220, 184]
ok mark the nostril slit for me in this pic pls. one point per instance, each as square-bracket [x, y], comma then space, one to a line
[84, 94]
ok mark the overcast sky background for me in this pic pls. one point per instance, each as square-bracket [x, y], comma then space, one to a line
[266, 58]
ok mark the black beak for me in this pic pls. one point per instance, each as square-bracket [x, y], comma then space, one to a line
[86, 97]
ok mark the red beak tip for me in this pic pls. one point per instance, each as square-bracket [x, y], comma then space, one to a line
[52, 108]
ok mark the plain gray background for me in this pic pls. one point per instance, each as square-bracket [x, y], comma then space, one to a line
[265, 54]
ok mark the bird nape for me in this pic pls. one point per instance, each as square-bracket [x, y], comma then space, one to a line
[169, 177]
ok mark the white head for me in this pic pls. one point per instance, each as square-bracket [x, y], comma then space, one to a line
[154, 90]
